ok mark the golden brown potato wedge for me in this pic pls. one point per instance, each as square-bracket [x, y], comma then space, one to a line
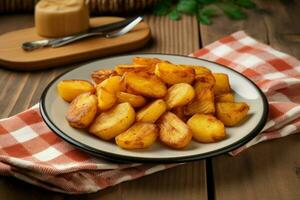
[106, 99]
[200, 107]
[172, 74]
[112, 84]
[199, 70]
[144, 83]
[222, 83]
[138, 136]
[135, 100]
[82, 110]
[121, 69]
[179, 112]
[230, 113]
[70, 89]
[173, 131]
[151, 112]
[206, 128]
[113, 122]
[203, 102]
[102, 74]
[106, 92]
[226, 97]
[179, 94]
[151, 62]
[204, 80]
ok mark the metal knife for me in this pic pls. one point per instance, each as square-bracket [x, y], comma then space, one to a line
[29, 46]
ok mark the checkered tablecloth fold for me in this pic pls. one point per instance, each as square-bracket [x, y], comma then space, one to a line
[30, 151]
[276, 73]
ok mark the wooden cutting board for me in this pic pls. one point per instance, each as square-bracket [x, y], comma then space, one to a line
[12, 56]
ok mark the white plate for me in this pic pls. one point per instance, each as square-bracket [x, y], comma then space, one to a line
[53, 110]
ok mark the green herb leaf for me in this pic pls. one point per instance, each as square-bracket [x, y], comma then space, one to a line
[206, 1]
[162, 8]
[232, 11]
[187, 6]
[204, 19]
[174, 15]
[245, 3]
[208, 11]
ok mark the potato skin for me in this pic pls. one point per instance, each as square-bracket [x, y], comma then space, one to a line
[113, 122]
[172, 74]
[179, 111]
[206, 128]
[222, 83]
[173, 131]
[145, 84]
[226, 97]
[179, 94]
[102, 74]
[199, 70]
[106, 92]
[112, 84]
[70, 89]
[231, 113]
[138, 136]
[205, 80]
[203, 102]
[151, 112]
[82, 110]
[151, 62]
[135, 100]
[122, 69]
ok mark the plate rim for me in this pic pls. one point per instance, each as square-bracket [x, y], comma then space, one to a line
[122, 158]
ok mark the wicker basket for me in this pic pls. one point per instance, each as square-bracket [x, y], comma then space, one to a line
[96, 6]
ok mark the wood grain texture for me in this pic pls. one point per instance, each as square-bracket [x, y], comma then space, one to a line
[268, 170]
[20, 90]
[12, 55]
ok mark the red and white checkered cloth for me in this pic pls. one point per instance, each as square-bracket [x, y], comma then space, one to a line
[31, 152]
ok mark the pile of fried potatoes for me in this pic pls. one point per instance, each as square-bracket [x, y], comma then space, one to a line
[152, 99]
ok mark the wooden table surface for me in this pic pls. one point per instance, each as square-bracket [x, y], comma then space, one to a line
[270, 170]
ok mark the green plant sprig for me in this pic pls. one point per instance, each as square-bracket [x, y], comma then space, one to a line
[205, 10]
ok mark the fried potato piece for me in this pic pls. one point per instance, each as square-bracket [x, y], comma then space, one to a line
[230, 113]
[144, 83]
[111, 123]
[151, 112]
[222, 83]
[179, 112]
[227, 97]
[173, 131]
[199, 70]
[102, 74]
[172, 74]
[203, 102]
[201, 107]
[179, 94]
[151, 62]
[106, 100]
[70, 89]
[135, 100]
[112, 84]
[138, 136]
[106, 92]
[206, 128]
[82, 110]
[205, 80]
[121, 69]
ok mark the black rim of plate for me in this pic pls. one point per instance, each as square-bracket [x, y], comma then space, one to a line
[122, 158]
